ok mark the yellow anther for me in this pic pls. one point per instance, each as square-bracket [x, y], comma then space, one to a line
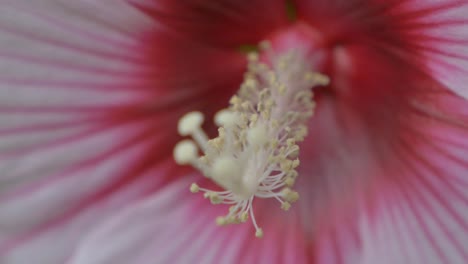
[321, 79]
[250, 83]
[265, 45]
[294, 197]
[289, 181]
[286, 165]
[290, 195]
[244, 217]
[231, 220]
[295, 163]
[274, 123]
[274, 143]
[215, 199]
[253, 118]
[220, 220]
[293, 174]
[259, 233]
[290, 142]
[252, 56]
[308, 76]
[293, 152]
[271, 77]
[194, 188]
[235, 100]
[285, 206]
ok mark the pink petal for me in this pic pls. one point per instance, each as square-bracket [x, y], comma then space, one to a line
[416, 209]
[439, 30]
[174, 226]
[76, 139]
[372, 148]
[408, 205]
[56, 240]
[422, 212]
[430, 35]
[223, 23]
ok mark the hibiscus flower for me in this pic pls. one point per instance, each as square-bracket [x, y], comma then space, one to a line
[91, 93]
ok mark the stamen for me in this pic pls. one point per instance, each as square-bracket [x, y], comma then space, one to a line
[255, 153]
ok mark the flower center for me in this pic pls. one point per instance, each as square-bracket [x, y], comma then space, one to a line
[255, 154]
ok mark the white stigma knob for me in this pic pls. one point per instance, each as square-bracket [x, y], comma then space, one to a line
[185, 152]
[226, 118]
[190, 123]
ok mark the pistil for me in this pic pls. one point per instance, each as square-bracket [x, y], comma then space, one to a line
[256, 152]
